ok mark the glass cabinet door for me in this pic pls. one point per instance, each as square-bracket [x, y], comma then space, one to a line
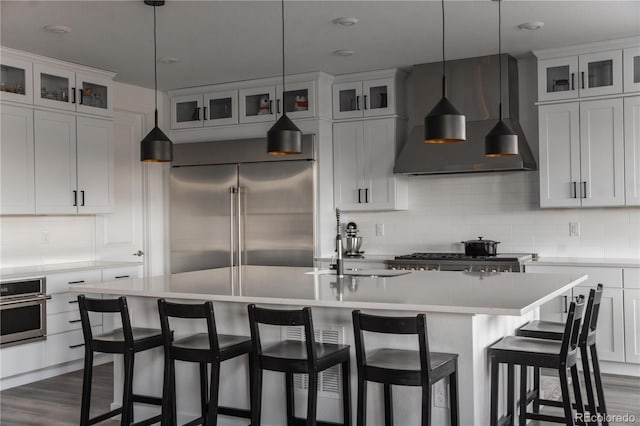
[347, 100]
[186, 111]
[601, 73]
[16, 80]
[298, 101]
[378, 97]
[54, 87]
[631, 69]
[557, 78]
[220, 108]
[93, 95]
[257, 104]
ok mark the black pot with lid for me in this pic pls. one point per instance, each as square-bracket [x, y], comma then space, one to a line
[480, 247]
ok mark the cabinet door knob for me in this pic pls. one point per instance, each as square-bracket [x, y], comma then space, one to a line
[138, 253]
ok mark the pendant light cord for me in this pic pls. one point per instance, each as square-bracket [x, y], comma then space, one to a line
[283, 73]
[155, 65]
[500, 56]
[443, 68]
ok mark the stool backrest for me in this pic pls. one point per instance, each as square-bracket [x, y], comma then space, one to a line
[202, 311]
[283, 318]
[392, 325]
[569, 346]
[118, 305]
[591, 314]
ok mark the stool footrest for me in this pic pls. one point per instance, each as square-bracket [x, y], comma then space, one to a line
[149, 421]
[505, 420]
[297, 421]
[550, 402]
[105, 416]
[545, 418]
[234, 412]
[198, 421]
[146, 399]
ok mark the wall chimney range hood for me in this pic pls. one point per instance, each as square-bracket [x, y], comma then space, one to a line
[472, 87]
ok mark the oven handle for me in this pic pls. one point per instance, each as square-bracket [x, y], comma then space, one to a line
[26, 301]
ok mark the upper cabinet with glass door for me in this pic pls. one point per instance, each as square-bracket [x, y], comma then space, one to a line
[592, 74]
[298, 100]
[368, 97]
[16, 82]
[66, 89]
[257, 104]
[204, 110]
[631, 71]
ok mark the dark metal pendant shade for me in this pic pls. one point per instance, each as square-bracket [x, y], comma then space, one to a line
[501, 141]
[156, 147]
[284, 138]
[444, 124]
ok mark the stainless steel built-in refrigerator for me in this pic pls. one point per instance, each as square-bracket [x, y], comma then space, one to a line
[232, 204]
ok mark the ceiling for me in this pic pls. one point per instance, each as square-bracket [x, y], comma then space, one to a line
[220, 41]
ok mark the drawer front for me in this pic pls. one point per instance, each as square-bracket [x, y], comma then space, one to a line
[631, 277]
[59, 283]
[65, 347]
[115, 274]
[62, 302]
[21, 358]
[68, 321]
[609, 277]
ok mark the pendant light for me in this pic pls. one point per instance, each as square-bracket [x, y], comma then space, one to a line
[156, 147]
[284, 138]
[444, 124]
[501, 141]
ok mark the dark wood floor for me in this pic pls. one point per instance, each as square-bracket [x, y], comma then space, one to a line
[56, 401]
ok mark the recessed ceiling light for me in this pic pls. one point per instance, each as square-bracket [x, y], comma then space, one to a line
[344, 52]
[169, 60]
[346, 21]
[531, 26]
[57, 29]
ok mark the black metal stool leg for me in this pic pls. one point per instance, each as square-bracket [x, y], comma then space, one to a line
[214, 387]
[577, 392]
[426, 404]
[290, 399]
[362, 400]
[346, 392]
[586, 371]
[166, 393]
[523, 396]
[566, 398]
[495, 374]
[127, 394]
[602, 406]
[86, 387]
[536, 390]
[388, 405]
[256, 396]
[173, 400]
[453, 397]
[511, 395]
[204, 393]
[312, 401]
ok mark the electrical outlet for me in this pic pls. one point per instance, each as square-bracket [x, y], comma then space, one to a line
[379, 229]
[574, 229]
[440, 394]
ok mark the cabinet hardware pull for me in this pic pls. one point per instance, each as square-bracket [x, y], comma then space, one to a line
[73, 92]
[359, 195]
[71, 302]
[138, 253]
[575, 190]
[270, 107]
[81, 96]
[75, 198]
[278, 106]
[582, 78]
[197, 114]
[74, 321]
[573, 86]
[358, 103]
[364, 103]
[584, 190]
[76, 346]
[82, 196]
[204, 113]
[366, 195]
[117, 277]
[76, 282]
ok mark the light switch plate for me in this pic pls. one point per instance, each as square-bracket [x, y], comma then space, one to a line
[379, 229]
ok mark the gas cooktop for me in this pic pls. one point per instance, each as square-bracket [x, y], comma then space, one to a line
[430, 261]
[462, 256]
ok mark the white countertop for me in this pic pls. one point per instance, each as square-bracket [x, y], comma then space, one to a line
[586, 261]
[449, 292]
[29, 271]
[371, 258]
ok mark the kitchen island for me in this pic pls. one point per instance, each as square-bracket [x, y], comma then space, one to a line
[466, 312]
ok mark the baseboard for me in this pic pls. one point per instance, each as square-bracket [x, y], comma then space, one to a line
[46, 373]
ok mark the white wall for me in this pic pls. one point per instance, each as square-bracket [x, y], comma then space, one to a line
[444, 210]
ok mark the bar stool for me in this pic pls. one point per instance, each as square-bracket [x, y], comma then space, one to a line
[296, 357]
[202, 348]
[402, 367]
[126, 341]
[587, 344]
[532, 352]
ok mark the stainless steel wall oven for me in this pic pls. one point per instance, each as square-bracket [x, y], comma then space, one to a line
[23, 310]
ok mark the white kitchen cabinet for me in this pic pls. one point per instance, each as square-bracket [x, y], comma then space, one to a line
[631, 277]
[64, 88]
[114, 274]
[367, 98]
[21, 358]
[610, 328]
[582, 154]
[16, 79]
[257, 104]
[186, 111]
[632, 325]
[632, 150]
[299, 100]
[73, 164]
[220, 108]
[631, 69]
[364, 155]
[65, 347]
[589, 74]
[59, 283]
[16, 161]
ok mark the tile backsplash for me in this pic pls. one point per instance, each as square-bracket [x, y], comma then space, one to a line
[37, 240]
[445, 210]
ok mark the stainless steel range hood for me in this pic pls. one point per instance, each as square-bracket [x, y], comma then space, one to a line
[472, 86]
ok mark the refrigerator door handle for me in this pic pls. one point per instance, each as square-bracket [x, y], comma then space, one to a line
[232, 191]
[239, 213]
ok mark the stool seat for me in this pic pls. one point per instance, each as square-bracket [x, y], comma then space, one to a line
[542, 329]
[117, 335]
[200, 341]
[528, 344]
[297, 350]
[401, 359]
